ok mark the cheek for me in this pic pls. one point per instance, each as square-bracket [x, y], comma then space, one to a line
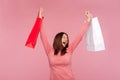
[62, 39]
[67, 39]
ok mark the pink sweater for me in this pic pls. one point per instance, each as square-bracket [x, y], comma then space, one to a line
[60, 66]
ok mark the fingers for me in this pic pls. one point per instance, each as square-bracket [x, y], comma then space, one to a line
[41, 10]
[87, 13]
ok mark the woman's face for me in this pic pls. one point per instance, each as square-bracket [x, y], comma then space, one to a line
[64, 40]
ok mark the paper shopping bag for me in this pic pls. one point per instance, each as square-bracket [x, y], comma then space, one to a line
[94, 37]
[32, 39]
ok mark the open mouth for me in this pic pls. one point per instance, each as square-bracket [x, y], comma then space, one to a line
[64, 42]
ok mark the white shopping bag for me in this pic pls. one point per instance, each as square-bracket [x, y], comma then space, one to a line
[94, 37]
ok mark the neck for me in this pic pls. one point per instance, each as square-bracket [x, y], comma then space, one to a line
[59, 53]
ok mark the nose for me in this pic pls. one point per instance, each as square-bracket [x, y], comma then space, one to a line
[65, 39]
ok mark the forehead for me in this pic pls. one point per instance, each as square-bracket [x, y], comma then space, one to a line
[64, 35]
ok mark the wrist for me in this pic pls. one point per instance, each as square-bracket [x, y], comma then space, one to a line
[40, 15]
[89, 19]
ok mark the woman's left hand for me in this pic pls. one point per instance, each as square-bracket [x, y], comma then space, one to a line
[88, 16]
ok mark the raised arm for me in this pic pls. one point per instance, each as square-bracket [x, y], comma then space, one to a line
[45, 42]
[78, 38]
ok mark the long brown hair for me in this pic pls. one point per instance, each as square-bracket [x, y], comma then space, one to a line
[57, 44]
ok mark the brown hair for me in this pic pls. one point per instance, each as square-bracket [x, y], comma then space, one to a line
[57, 44]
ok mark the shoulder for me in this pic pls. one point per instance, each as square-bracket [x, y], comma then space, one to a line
[69, 51]
[51, 51]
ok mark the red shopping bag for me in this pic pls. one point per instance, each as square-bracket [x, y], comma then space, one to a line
[32, 39]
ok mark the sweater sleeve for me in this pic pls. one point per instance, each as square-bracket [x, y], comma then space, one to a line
[44, 40]
[78, 38]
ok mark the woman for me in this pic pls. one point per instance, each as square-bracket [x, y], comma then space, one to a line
[59, 56]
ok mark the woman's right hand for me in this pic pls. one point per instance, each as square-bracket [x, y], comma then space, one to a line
[40, 12]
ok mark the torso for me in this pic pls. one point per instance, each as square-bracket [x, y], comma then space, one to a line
[60, 66]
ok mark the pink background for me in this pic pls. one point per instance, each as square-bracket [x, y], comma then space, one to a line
[17, 17]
